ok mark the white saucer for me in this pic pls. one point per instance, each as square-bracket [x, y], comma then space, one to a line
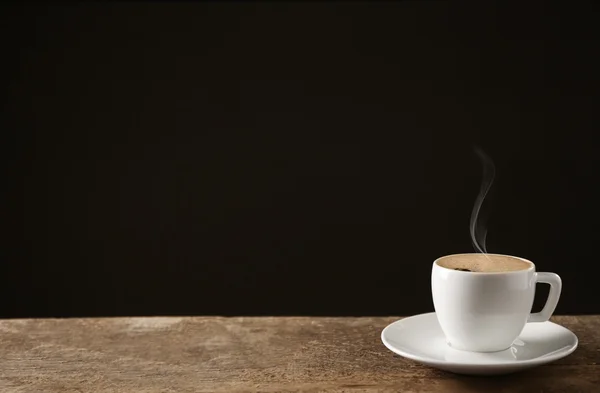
[420, 338]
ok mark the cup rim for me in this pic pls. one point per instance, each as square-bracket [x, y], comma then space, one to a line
[531, 264]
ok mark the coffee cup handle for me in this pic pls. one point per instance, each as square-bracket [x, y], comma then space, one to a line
[555, 288]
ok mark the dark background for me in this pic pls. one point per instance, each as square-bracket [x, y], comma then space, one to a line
[289, 158]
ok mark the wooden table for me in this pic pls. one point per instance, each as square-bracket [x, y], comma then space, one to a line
[271, 354]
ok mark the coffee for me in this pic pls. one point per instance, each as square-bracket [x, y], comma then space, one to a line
[483, 263]
[485, 311]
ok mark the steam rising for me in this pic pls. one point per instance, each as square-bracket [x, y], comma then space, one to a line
[479, 232]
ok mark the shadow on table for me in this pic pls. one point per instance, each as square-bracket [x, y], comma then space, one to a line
[549, 379]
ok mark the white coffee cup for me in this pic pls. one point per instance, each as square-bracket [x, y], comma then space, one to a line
[486, 311]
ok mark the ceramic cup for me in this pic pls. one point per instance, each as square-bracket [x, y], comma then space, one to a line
[486, 311]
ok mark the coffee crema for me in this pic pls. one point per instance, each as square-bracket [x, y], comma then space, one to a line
[483, 263]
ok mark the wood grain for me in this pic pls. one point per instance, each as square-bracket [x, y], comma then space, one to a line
[252, 354]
